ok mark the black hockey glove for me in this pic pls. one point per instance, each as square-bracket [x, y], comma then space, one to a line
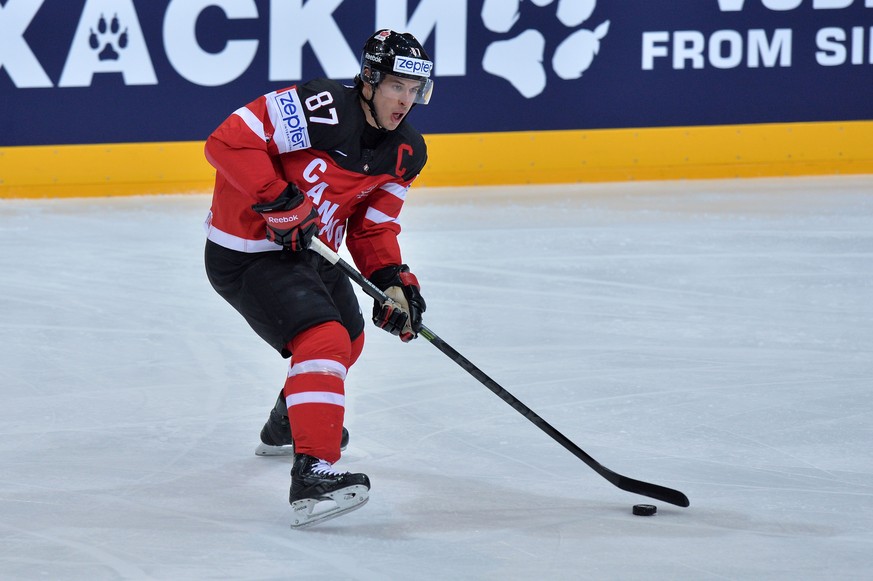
[401, 314]
[291, 219]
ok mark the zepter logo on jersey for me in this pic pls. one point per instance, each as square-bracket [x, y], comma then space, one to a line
[286, 114]
[519, 59]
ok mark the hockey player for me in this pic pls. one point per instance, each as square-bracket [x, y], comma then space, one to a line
[333, 161]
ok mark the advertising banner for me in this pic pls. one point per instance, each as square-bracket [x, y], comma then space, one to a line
[123, 71]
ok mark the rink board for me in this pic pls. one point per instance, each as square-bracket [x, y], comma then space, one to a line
[478, 159]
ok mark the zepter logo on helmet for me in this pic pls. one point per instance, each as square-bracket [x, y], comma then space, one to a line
[400, 54]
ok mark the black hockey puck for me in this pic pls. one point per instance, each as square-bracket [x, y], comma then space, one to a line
[645, 509]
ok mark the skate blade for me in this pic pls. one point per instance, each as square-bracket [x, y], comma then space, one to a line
[312, 511]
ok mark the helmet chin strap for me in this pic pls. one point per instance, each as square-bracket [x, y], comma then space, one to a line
[372, 107]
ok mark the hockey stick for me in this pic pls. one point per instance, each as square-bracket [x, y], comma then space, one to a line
[628, 484]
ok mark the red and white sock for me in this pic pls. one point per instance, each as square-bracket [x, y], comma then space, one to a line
[314, 390]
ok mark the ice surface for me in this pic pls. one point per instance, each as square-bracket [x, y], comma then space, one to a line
[715, 337]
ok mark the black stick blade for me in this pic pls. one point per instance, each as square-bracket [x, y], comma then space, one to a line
[655, 491]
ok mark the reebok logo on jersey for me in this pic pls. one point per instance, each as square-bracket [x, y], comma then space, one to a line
[286, 113]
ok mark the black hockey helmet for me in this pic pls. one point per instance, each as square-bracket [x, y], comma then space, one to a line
[399, 54]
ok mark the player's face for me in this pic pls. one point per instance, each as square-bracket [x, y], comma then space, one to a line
[393, 98]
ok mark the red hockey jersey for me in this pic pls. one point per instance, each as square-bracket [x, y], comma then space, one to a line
[312, 135]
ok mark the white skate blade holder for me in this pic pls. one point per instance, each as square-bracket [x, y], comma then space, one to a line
[311, 511]
[265, 450]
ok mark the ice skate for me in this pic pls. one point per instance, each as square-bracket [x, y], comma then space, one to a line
[319, 492]
[276, 438]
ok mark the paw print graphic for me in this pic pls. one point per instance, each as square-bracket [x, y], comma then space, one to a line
[519, 60]
[106, 36]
